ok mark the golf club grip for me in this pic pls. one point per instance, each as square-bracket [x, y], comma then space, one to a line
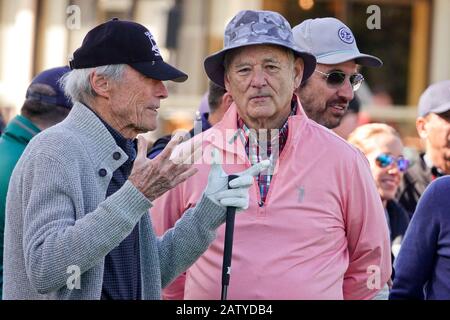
[228, 242]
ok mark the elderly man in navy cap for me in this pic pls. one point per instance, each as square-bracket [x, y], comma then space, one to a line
[327, 93]
[315, 226]
[77, 222]
[45, 105]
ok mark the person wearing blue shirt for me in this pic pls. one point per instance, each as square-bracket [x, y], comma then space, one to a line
[422, 268]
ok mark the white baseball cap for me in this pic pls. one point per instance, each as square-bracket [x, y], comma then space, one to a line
[331, 42]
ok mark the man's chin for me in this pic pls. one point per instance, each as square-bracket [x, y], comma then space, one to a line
[331, 123]
[146, 129]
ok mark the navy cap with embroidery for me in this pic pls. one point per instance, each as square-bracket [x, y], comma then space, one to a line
[51, 78]
[124, 42]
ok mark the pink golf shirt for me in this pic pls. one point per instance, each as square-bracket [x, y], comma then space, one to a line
[321, 233]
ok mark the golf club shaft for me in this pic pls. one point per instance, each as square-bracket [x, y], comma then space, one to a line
[228, 247]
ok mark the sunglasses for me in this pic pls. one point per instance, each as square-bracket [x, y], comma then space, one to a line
[384, 160]
[336, 79]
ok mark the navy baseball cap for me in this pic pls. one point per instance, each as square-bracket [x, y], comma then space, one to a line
[124, 42]
[51, 78]
[255, 27]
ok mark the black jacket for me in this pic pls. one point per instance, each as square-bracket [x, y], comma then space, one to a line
[414, 182]
[398, 219]
[398, 223]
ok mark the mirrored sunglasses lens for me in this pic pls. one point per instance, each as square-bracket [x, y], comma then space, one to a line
[403, 164]
[336, 78]
[383, 160]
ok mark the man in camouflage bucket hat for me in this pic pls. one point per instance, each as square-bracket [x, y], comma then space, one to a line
[253, 28]
[315, 226]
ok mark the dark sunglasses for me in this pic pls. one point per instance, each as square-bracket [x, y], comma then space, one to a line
[337, 78]
[384, 160]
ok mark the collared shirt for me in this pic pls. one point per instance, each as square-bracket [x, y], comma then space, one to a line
[122, 274]
[262, 150]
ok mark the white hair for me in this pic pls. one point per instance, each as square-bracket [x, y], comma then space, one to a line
[77, 85]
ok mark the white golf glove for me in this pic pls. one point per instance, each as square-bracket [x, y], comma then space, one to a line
[217, 188]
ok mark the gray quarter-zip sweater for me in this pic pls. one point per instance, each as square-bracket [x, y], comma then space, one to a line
[58, 221]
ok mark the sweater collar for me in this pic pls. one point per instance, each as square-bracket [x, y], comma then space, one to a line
[96, 137]
[127, 145]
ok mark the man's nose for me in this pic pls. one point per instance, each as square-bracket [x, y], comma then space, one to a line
[346, 90]
[161, 91]
[259, 78]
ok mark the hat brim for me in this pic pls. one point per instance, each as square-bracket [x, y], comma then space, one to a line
[441, 109]
[215, 70]
[159, 70]
[361, 59]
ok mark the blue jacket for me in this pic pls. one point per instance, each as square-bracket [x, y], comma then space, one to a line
[422, 268]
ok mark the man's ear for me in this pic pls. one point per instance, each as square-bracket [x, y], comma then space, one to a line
[227, 100]
[99, 84]
[298, 72]
[421, 126]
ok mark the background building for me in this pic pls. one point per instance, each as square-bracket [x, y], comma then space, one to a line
[411, 37]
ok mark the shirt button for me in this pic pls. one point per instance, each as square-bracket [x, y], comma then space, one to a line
[102, 172]
[116, 155]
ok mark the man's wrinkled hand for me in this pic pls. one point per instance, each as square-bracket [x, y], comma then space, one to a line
[154, 177]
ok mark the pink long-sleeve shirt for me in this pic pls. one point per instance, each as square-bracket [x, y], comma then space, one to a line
[321, 233]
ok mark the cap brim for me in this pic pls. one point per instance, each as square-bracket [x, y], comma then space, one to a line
[159, 70]
[442, 109]
[437, 110]
[361, 59]
[215, 70]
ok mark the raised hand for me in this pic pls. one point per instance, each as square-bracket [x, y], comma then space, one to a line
[154, 177]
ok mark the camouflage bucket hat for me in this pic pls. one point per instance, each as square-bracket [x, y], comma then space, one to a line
[250, 27]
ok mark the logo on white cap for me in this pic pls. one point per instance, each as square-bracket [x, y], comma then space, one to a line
[346, 35]
[155, 47]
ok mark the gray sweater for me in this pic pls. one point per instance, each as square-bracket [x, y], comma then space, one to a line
[58, 221]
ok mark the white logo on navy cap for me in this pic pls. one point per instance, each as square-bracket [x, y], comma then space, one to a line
[346, 35]
[155, 47]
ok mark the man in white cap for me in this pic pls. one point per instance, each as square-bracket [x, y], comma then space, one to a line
[433, 126]
[315, 226]
[325, 96]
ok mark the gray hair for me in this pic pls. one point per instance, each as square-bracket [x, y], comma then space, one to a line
[77, 85]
